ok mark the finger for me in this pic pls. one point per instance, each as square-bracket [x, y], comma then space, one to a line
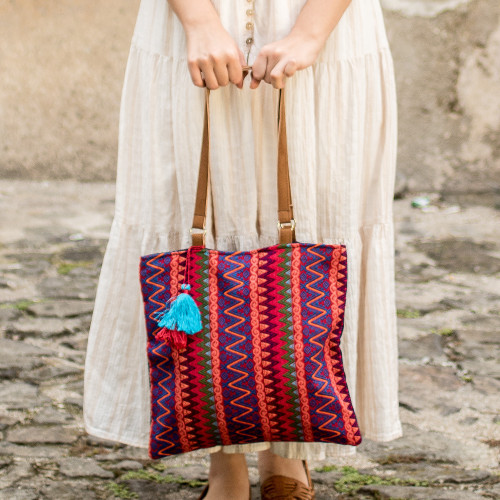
[209, 76]
[258, 70]
[291, 68]
[195, 73]
[254, 83]
[275, 58]
[259, 67]
[235, 72]
[277, 75]
[243, 62]
[269, 69]
[221, 73]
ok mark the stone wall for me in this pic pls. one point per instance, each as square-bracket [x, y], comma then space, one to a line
[62, 64]
[447, 58]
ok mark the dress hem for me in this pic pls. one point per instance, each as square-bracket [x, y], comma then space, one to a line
[114, 437]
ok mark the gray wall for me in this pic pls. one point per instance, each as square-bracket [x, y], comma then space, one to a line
[448, 74]
[62, 64]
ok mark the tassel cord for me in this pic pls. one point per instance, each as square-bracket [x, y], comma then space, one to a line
[181, 315]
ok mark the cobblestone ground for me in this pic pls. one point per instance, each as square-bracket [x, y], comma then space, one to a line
[448, 270]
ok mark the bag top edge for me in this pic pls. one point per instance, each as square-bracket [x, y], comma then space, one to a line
[269, 248]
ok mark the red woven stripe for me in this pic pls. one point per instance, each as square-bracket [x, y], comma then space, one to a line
[299, 346]
[178, 396]
[266, 312]
[174, 275]
[257, 348]
[214, 341]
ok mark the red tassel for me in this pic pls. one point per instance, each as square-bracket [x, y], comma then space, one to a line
[174, 338]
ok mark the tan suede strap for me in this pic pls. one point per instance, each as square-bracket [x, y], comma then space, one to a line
[200, 209]
[287, 488]
[286, 223]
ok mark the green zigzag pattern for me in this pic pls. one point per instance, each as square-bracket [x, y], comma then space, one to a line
[206, 388]
[285, 302]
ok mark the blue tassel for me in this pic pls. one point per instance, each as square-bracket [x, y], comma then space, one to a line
[183, 314]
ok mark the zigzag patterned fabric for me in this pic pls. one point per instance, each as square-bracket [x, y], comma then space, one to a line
[266, 365]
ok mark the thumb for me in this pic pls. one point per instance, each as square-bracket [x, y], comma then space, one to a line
[243, 63]
[242, 57]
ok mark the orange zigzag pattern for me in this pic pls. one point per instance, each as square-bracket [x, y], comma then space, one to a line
[231, 349]
[182, 410]
[335, 297]
[159, 288]
[312, 322]
[166, 411]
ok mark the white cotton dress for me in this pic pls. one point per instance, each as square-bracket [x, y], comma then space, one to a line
[341, 121]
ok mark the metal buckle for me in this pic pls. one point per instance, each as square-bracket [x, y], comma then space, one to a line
[199, 230]
[291, 224]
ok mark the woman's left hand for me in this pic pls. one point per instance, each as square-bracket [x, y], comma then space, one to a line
[279, 60]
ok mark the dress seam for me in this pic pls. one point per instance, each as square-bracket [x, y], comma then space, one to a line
[117, 219]
[137, 45]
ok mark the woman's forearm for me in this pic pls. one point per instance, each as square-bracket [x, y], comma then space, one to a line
[193, 13]
[214, 59]
[318, 18]
[301, 47]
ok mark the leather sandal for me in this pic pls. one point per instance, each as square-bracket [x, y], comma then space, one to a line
[287, 488]
[205, 491]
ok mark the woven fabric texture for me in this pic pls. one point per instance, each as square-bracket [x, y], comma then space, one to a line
[266, 365]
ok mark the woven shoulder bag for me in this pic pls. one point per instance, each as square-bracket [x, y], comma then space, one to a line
[243, 347]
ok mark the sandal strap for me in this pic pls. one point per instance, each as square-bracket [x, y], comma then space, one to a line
[285, 488]
[205, 491]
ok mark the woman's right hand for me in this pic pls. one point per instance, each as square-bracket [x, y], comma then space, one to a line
[214, 58]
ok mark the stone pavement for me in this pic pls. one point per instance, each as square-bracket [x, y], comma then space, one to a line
[52, 238]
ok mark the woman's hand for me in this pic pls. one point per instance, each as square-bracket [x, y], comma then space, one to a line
[214, 59]
[283, 58]
[301, 47]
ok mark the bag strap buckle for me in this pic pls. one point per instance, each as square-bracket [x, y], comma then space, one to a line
[290, 224]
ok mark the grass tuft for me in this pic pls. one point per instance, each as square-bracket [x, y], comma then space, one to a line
[65, 268]
[20, 305]
[351, 481]
[147, 475]
[444, 332]
[327, 468]
[121, 491]
[160, 467]
[409, 313]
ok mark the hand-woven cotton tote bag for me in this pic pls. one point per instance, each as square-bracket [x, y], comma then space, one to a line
[243, 347]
